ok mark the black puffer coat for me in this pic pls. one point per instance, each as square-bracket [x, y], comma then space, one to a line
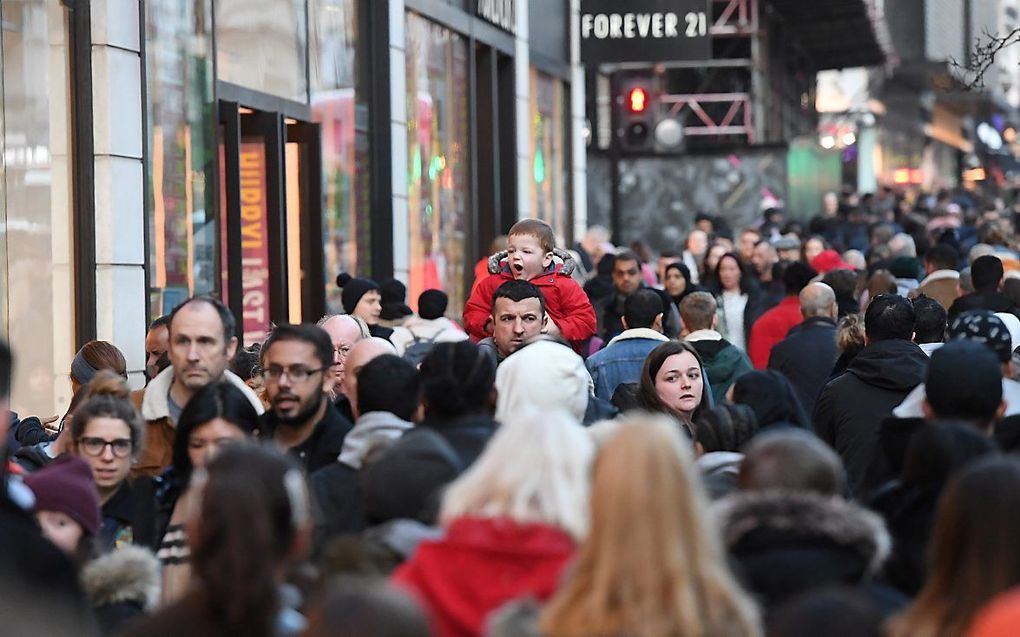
[851, 407]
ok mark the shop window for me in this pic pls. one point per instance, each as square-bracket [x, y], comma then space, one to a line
[182, 152]
[262, 45]
[438, 160]
[549, 121]
[339, 101]
[36, 223]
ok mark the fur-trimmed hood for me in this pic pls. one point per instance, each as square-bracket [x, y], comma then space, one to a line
[128, 574]
[807, 514]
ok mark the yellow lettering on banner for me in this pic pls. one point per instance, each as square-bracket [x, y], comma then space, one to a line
[251, 235]
[251, 212]
[250, 160]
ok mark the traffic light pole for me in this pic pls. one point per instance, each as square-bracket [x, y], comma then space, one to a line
[614, 159]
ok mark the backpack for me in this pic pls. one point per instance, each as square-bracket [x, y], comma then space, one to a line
[419, 348]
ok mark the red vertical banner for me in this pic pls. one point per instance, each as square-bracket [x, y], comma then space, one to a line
[254, 243]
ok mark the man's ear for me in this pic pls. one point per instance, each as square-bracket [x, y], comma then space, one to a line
[232, 347]
[623, 321]
[330, 379]
[657, 323]
[715, 321]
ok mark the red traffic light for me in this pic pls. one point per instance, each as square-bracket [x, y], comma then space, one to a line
[637, 100]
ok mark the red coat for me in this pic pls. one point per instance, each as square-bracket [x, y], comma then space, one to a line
[565, 302]
[480, 565]
[771, 328]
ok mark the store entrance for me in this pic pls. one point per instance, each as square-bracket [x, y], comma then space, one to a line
[270, 219]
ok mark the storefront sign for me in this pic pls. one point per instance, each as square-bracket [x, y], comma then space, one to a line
[254, 243]
[502, 13]
[644, 31]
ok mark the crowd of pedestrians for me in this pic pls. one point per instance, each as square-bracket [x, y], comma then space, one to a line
[795, 428]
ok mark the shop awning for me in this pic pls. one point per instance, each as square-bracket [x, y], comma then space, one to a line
[837, 34]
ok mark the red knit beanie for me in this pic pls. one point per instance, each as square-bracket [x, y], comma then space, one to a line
[66, 485]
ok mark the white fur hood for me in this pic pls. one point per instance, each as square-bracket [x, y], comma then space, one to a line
[128, 574]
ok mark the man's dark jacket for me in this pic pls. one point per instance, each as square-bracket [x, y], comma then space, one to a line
[851, 407]
[322, 447]
[806, 357]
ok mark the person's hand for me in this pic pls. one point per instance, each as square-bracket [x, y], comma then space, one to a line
[48, 425]
[63, 442]
[552, 329]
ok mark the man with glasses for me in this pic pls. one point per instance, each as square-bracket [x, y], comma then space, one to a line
[344, 332]
[202, 342]
[298, 366]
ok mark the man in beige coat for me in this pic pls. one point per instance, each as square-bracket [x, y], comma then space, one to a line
[941, 281]
[202, 342]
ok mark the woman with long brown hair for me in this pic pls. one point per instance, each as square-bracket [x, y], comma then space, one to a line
[974, 552]
[673, 382]
[250, 521]
[651, 564]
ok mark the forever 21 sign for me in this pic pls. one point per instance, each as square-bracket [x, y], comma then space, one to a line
[644, 31]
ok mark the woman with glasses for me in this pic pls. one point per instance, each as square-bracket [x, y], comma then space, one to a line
[106, 431]
[218, 416]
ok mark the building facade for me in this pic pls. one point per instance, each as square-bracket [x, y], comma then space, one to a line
[254, 149]
[745, 112]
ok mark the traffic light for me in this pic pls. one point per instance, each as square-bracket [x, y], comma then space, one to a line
[637, 113]
[637, 100]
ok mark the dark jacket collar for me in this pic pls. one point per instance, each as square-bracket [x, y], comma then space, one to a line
[893, 364]
[818, 321]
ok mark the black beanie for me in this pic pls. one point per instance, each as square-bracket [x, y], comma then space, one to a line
[394, 305]
[432, 304]
[964, 381]
[353, 289]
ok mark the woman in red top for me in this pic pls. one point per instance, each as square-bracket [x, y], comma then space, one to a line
[512, 523]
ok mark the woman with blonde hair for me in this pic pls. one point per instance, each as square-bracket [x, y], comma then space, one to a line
[651, 565]
[512, 523]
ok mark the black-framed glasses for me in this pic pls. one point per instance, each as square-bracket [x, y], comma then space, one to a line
[296, 374]
[121, 447]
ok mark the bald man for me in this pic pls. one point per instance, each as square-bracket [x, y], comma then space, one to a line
[363, 351]
[344, 332]
[806, 356]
